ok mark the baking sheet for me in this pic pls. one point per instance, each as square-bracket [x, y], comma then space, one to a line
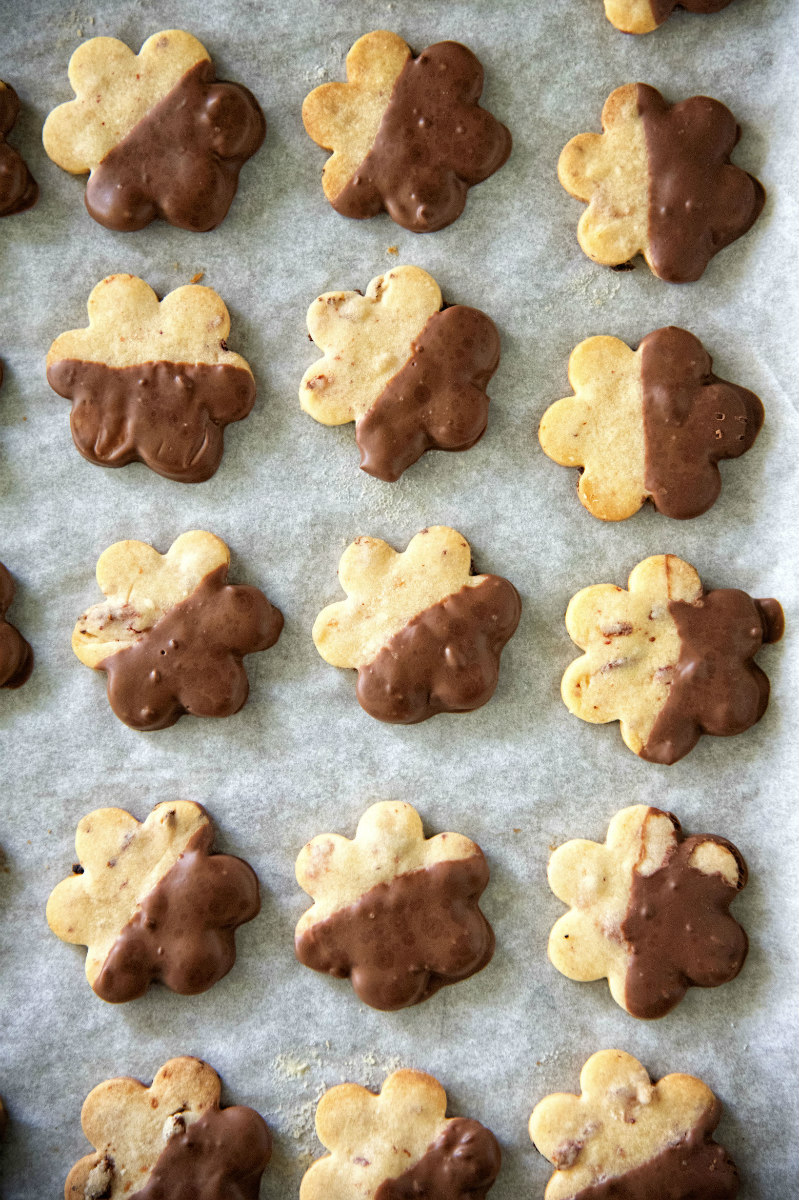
[520, 775]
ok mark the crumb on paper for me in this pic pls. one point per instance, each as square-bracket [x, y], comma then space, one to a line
[197, 277]
[392, 250]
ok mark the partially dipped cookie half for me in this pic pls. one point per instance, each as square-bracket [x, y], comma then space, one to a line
[158, 134]
[171, 1139]
[398, 1145]
[642, 16]
[395, 913]
[152, 381]
[667, 659]
[16, 654]
[629, 1138]
[172, 632]
[649, 911]
[650, 424]
[659, 182]
[151, 902]
[18, 189]
[409, 371]
[407, 133]
[424, 634]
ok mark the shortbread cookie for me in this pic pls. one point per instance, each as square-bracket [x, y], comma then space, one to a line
[398, 1145]
[423, 633]
[159, 135]
[659, 182]
[667, 659]
[151, 902]
[410, 372]
[648, 425]
[630, 1139]
[171, 1139]
[642, 16]
[407, 134]
[18, 188]
[16, 656]
[396, 914]
[172, 631]
[152, 383]
[649, 911]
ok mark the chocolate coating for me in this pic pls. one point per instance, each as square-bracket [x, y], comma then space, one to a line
[190, 660]
[402, 941]
[461, 1164]
[680, 931]
[696, 1168]
[446, 659]
[699, 202]
[661, 9]
[181, 161]
[221, 1156]
[434, 142]
[169, 416]
[437, 401]
[18, 188]
[16, 656]
[183, 933]
[716, 687]
[691, 420]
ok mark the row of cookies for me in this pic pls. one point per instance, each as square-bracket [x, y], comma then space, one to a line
[161, 137]
[424, 633]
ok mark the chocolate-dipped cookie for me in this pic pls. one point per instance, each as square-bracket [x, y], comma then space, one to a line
[18, 189]
[16, 655]
[642, 16]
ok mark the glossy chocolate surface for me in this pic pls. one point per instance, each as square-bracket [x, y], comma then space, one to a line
[433, 143]
[692, 419]
[181, 162]
[699, 202]
[183, 933]
[190, 660]
[16, 656]
[437, 401]
[661, 9]
[18, 188]
[402, 941]
[461, 1164]
[446, 659]
[169, 416]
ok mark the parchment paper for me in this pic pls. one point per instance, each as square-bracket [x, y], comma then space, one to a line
[520, 775]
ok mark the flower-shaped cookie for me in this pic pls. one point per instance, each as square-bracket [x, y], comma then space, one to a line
[172, 631]
[398, 1144]
[424, 635]
[648, 425]
[659, 182]
[18, 188]
[649, 911]
[667, 659]
[411, 376]
[642, 16]
[152, 382]
[629, 1138]
[407, 134]
[16, 656]
[169, 1139]
[396, 914]
[151, 902]
[160, 136]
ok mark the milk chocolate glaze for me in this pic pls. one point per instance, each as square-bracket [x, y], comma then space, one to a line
[170, 416]
[679, 930]
[190, 660]
[461, 1164]
[438, 400]
[433, 143]
[715, 687]
[661, 9]
[181, 162]
[221, 1156]
[18, 188]
[699, 201]
[183, 933]
[402, 941]
[16, 656]
[695, 1168]
[691, 420]
[446, 659]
